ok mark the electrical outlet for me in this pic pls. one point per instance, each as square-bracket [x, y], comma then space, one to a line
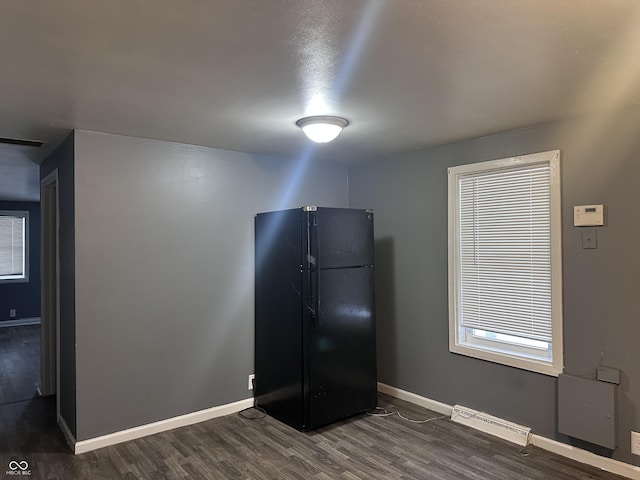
[12, 313]
[635, 443]
[252, 378]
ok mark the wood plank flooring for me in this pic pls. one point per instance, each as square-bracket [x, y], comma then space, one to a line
[19, 363]
[232, 447]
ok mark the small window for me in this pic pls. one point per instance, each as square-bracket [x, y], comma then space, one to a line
[14, 246]
[505, 272]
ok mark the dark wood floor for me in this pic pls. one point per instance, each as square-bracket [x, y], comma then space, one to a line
[19, 363]
[232, 447]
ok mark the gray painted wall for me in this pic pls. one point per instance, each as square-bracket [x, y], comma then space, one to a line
[600, 164]
[24, 297]
[63, 160]
[164, 272]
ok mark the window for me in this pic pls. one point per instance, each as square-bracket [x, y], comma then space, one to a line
[14, 246]
[505, 264]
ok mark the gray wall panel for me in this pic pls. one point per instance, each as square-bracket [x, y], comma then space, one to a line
[63, 159]
[164, 268]
[409, 194]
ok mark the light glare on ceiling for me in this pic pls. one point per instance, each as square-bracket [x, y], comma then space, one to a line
[322, 128]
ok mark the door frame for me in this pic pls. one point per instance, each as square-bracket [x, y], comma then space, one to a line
[50, 287]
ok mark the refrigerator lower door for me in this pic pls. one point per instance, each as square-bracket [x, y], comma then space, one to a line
[341, 347]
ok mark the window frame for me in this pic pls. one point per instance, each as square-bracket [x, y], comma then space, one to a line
[494, 350]
[24, 278]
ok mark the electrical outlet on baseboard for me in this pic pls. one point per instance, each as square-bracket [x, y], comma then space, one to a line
[252, 378]
[12, 313]
[635, 443]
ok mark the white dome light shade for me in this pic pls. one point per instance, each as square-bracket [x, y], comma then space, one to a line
[322, 128]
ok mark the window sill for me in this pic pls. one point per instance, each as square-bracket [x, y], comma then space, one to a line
[4, 280]
[532, 365]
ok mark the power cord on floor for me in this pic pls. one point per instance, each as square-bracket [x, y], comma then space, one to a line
[260, 410]
[386, 413]
[523, 451]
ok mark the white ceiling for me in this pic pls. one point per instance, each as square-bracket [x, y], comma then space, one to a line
[237, 74]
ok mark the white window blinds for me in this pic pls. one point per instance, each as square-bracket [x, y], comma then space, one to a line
[505, 259]
[12, 231]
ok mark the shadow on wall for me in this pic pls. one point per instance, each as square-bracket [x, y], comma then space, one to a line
[626, 404]
[386, 312]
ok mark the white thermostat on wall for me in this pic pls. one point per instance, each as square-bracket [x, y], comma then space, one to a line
[588, 215]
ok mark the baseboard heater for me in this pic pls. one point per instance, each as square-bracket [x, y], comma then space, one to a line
[509, 431]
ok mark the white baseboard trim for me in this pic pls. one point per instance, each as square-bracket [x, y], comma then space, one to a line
[20, 322]
[439, 407]
[583, 456]
[553, 446]
[68, 436]
[84, 446]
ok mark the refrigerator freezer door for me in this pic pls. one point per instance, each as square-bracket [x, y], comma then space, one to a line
[278, 325]
[341, 237]
[341, 355]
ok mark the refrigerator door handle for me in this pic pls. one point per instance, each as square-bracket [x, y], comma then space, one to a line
[313, 303]
[315, 270]
[313, 247]
[316, 296]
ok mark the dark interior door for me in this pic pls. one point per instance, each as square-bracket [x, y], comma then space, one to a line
[342, 355]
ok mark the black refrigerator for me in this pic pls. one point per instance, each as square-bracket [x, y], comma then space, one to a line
[315, 343]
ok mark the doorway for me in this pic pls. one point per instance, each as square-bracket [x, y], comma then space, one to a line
[19, 298]
[50, 314]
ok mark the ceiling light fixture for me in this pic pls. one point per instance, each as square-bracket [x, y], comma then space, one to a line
[322, 128]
